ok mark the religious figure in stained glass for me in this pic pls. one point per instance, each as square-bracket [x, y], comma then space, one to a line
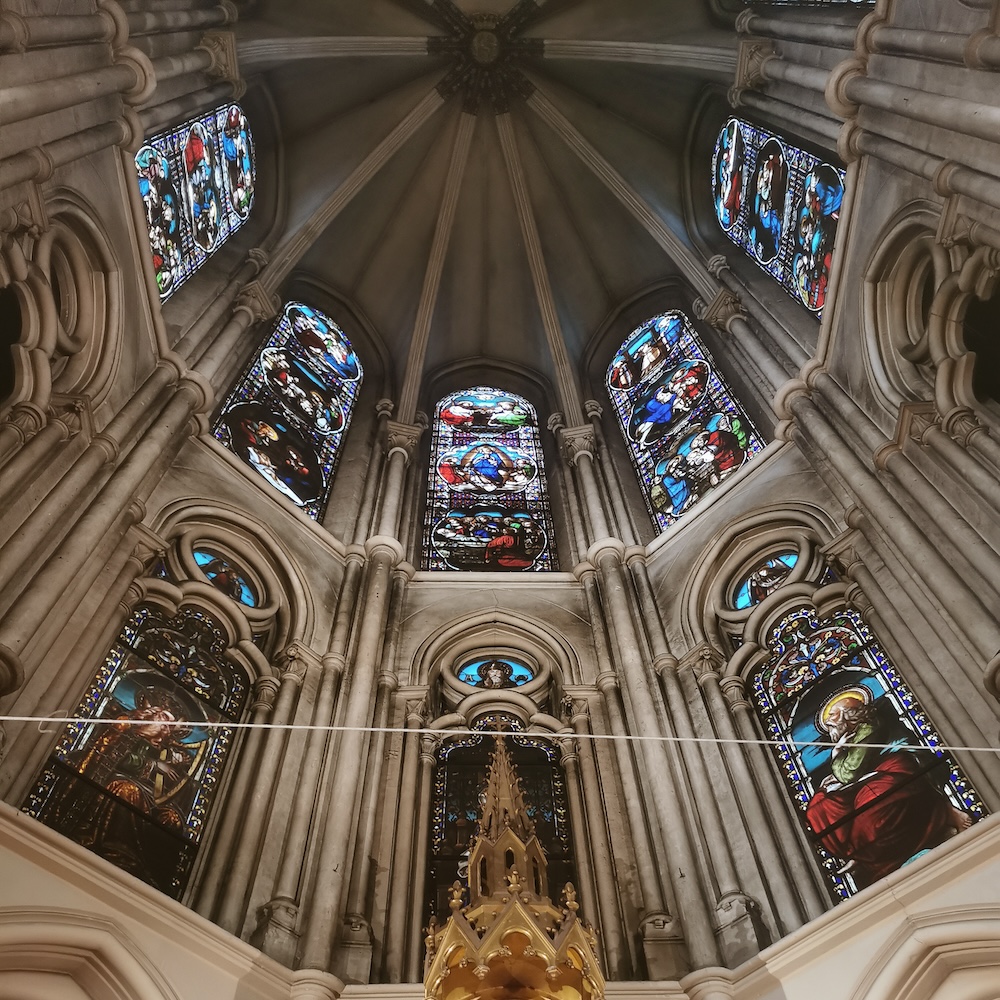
[225, 576]
[764, 579]
[288, 414]
[782, 211]
[866, 768]
[495, 672]
[685, 431]
[197, 184]
[487, 506]
[133, 777]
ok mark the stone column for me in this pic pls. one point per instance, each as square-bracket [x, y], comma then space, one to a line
[787, 874]
[415, 938]
[334, 832]
[241, 865]
[402, 442]
[608, 914]
[691, 894]
[580, 447]
[402, 858]
[787, 830]
[578, 530]
[620, 507]
[570, 758]
[373, 476]
[234, 815]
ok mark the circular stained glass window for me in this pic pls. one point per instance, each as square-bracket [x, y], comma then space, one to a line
[225, 576]
[495, 672]
[764, 579]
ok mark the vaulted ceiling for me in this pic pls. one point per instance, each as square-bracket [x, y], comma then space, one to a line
[461, 231]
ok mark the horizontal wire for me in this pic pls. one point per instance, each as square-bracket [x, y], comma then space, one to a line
[448, 733]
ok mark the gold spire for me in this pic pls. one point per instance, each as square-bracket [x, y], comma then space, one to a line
[503, 802]
[511, 940]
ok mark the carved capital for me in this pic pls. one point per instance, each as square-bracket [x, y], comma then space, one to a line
[751, 56]
[256, 300]
[593, 409]
[221, 47]
[721, 311]
[963, 425]
[384, 408]
[734, 688]
[258, 257]
[577, 442]
[717, 264]
[403, 437]
[569, 752]
[264, 690]
[556, 422]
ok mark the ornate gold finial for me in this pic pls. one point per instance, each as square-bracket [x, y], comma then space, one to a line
[569, 898]
[456, 896]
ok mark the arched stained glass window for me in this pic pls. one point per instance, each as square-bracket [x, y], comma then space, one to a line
[684, 429]
[764, 579]
[460, 777]
[197, 183]
[122, 780]
[224, 575]
[288, 414]
[861, 759]
[487, 504]
[780, 204]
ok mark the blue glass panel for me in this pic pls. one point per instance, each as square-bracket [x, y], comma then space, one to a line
[197, 184]
[132, 778]
[495, 672]
[288, 414]
[226, 577]
[827, 689]
[764, 579]
[684, 429]
[780, 204]
[487, 505]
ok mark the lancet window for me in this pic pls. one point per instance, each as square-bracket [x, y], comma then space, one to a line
[288, 414]
[863, 763]
[780, 204]
[487, 502]
[685, 431]
[133, 778]
[197, 184]
[460, 777]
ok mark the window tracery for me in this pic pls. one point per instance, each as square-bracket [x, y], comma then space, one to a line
[495, 672]
[684, 429]
[780, 204]
[197, 184]
[133, 778]
[487, 502]
[288, 414]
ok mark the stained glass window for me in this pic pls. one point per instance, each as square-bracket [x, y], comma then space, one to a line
[684, 429]
[764, 579]
[197, 183]
[223, 574]
[780, 204]
[132, 787]
[288, 414]
[487, 504]
[460, 776]
[495, 672]
[828, 690]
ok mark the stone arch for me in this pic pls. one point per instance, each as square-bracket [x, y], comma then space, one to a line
[41, 948]
[504, 627]
[942, 955]
[907, 268]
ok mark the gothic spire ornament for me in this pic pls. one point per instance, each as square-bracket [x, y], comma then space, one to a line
[510, 940]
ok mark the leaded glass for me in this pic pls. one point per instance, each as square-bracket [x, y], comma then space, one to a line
[780, 204]
[487, 504]
[495, 672]
[684, 429]
[869, 810]
[459, 779]
[134, 787]
[197, 184]
[225, 576]
[288, 414]
[764, 579]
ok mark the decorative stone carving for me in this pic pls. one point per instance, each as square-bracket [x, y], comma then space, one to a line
[750, 59]
[403, 437]
[578, 441]
[221, 46]
[721, 311]
[256, 300]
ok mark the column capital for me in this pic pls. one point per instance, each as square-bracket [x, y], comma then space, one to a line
[721, 311]
[403, 438]
[379, 545]
[384, 408]
[607, 682]
[665, 662]
[751, 56]
[593, 409]
[718, 263]
[577, 442]
[221, 48]
[556, 422]
[429, 743]
[569, 752]
[257, 301]
[264, 690]
[734, 688]
[258, 257]
[606, 546]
